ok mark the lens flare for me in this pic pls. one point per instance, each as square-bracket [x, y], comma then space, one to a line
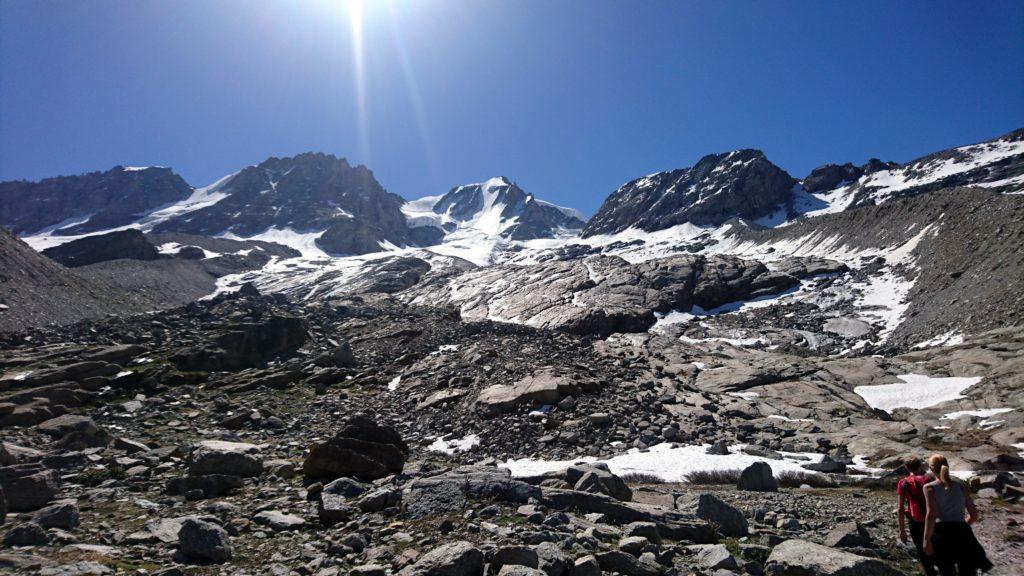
[355, 18]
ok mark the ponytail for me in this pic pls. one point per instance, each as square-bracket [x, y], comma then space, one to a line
[940, 467]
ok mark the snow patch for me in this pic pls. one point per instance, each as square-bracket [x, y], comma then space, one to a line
[669, 462]
[917, 391]
[454, 445]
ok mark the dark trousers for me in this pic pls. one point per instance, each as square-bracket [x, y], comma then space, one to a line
[917, 535]
[957, 551]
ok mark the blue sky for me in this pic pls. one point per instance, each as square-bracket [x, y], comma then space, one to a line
[568, 98]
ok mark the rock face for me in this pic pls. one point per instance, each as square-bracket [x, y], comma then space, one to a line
[362, 449]
[130, 244]
[603, 294]
[99, 200]
[246, 344]
[740, 184]
[829, 176]
[801, 558]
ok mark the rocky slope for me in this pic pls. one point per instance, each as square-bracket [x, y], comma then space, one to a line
[89, 202]
[225, 435]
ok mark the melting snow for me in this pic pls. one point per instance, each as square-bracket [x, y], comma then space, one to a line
[454, 445]
[668, 462]
[981, 413]
[917, 391]
[951, 338]
[304, 242]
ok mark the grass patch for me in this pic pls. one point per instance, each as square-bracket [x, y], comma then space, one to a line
[641, 478]
[708, 477]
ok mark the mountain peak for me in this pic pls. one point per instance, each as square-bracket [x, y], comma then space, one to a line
[738, 184]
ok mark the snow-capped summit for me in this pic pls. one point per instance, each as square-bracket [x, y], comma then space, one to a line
[496, 207]
[996, 164]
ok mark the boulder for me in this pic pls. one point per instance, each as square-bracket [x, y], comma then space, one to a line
[713, 556]
[334, 508]
[75, 429]
[451, 559]
[211, 485]
[279, 521]
[63, 515]
[451, 491]
[757, 477]
[803, 558]
[598, 478]
[28, 486]
[672, 524]
[586, 566]
[551, 560]
[226, 458]
[362, 449]
[727, 519]
[627, 564]
[544, 387]
[849, 535]
[516, 570]
[26, 534]
[204, 542]
[516, 556]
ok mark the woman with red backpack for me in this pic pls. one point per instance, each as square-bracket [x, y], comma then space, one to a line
[914, 508]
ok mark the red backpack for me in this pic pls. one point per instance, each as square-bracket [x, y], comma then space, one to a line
[912, 490]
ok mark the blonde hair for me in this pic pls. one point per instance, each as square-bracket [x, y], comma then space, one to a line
[939, 465]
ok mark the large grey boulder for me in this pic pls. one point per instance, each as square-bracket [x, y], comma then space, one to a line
[671, 524]
[713, 556]
[279, 521]
[62, 515]
[757, 477]
[28, 486]
[544, 387]
[599, 479]
[848, 535]
[452, 559]
[204, 542]
[451, 491]
[227, 458]
[25, 534]
[803, 558]
[627, 564]
[727, 519]
[362, 449]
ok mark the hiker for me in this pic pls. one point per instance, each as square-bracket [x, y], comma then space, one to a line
[913, 508]
[948, 537]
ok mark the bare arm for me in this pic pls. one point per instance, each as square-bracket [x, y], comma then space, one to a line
[900, 514]
[972, 510]
[929, 519]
